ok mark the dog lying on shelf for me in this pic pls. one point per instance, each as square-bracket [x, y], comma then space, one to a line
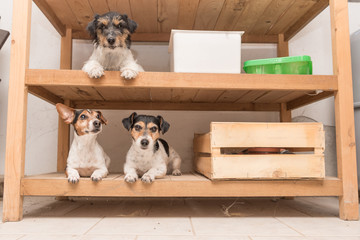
[149, 156]
[111, 33]
[86, 157]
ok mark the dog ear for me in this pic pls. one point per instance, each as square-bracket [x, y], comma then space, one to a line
[132, 25]
[91, 27]
[66, 113]
[164, 125]
[128, 122]
[102, 119]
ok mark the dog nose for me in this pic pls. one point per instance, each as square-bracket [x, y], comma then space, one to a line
[111, 40]
[97, 124]
[144, 142]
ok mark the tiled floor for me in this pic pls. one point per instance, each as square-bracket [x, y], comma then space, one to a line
[175, 219]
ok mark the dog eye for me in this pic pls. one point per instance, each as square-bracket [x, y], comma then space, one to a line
[98, 116]
[82, 117]
[138, 128]
[153, 129]
[102, 26]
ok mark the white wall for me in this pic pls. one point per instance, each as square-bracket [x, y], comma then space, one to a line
[314, 40]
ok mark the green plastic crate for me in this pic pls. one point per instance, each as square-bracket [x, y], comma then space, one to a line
[282, 65]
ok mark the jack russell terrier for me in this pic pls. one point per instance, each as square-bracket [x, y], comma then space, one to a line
[111, 34]
[86, 157]
[149, 156]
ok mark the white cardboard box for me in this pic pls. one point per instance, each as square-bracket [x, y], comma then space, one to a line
[205, 51]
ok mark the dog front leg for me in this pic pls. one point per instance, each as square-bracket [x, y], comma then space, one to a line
[129, 68]
[130, 174]
[93, 68]
[73, 175]
[156, 172]
[99, 174]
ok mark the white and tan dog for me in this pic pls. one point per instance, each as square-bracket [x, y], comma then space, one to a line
[111, 33]
[149, 156]
[86, 157]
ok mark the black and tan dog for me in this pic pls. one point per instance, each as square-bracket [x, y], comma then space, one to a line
[149, 156]
[111, 33]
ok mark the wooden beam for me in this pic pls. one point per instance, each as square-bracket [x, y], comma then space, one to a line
[285, 114]
[66, 50]
[17, 109]
[51, 16]
[188, 185]
[305, 19]
[307, 99]
[344, 111]
[63, 142]
[183, 80]
[190, 106]
[63, 128]
[45, 95]
[282, 47]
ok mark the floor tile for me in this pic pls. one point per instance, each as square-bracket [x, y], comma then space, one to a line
[323, 226]
[107, 237]
[10, 237]
[50, 237]
[47, 225]
[306, 238]
[257, 226]
[143, 226]
[191, 238]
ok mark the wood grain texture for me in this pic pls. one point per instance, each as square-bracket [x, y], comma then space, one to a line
[278, 166]
[144, 12]
[284, 135]
[64, 13]
[187, 14]
[306, 18]
[51, 15]
[45, 95]
[167, 13]
[82, 11]
[66, 50]
[344, 111]
[183, 80]
[120, 6]
[187, 185]
[181, 106]
[17, 110]
[207, 14]
[230, 14]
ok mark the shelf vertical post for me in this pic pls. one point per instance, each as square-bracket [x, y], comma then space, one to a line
[17, 110]
[344, 111]
[283, 51]
[63, 128]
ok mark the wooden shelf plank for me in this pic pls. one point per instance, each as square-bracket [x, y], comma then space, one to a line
[265, 17]
[188, 185]
[210, 81]
[187, 106]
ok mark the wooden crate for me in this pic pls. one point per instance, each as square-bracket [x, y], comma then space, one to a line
[306, 139]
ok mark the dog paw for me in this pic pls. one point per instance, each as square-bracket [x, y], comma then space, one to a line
[130, 178]
[129, 73]
[73, 178]
[96, 72]
[146, 178]
[95, 177]
[176, 172]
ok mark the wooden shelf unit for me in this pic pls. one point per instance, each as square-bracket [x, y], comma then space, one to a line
[264, 21]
